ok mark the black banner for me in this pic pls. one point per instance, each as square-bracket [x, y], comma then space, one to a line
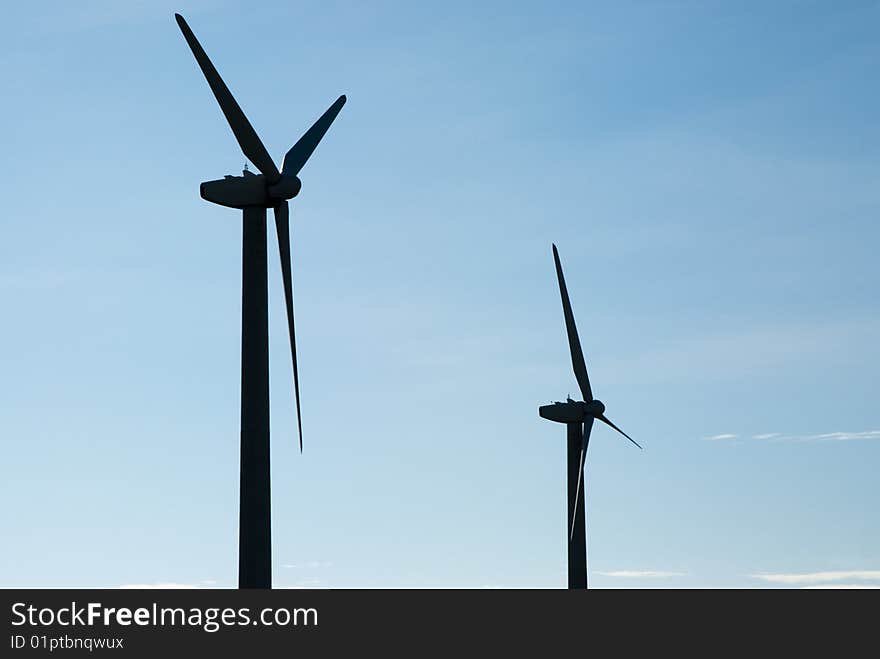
[116, 623]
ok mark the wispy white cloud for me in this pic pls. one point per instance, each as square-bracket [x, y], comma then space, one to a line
[844, 586]
[813, 578]
[166, 586]
[642, 574]
[309, 583]
[843, 436]
[307, 565]
[837, 436]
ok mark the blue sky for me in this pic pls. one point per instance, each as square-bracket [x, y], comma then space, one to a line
[708, 170]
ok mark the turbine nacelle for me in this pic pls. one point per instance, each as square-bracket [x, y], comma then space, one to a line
[249, 190]
[572, 411]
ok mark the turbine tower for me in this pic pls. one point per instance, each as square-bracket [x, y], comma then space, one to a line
[579, 417]
[253, 194]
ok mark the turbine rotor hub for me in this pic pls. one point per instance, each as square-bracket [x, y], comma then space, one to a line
[594, 408]
[287, 187]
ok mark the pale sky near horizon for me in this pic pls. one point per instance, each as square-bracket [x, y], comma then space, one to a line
[710, 174]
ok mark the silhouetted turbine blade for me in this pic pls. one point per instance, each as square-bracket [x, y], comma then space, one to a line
[301, 151]
[605, 419]
[282, 227]
[574, 343]
[245, 134]
[588, 425]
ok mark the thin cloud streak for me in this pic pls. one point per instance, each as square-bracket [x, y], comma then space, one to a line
[642, 574]
[819, 577]
[309, 565]
[844, 436]
[160, 586]
[837, 436]
[843, 586]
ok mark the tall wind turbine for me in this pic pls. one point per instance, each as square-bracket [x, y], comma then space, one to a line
[579, 417]
[253, 194]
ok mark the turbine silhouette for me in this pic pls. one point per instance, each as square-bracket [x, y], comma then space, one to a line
[253, 194]
[579, 417]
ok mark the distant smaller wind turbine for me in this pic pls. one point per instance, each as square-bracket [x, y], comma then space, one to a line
[578, 416]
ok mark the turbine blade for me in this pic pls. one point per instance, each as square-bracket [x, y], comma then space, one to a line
[588, 425]
[574, 343]
[301, 151]
[247, 137]
[282, 228]
[605, 419]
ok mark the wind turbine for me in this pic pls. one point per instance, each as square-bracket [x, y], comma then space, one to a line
[579, 417]
[253, 194]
